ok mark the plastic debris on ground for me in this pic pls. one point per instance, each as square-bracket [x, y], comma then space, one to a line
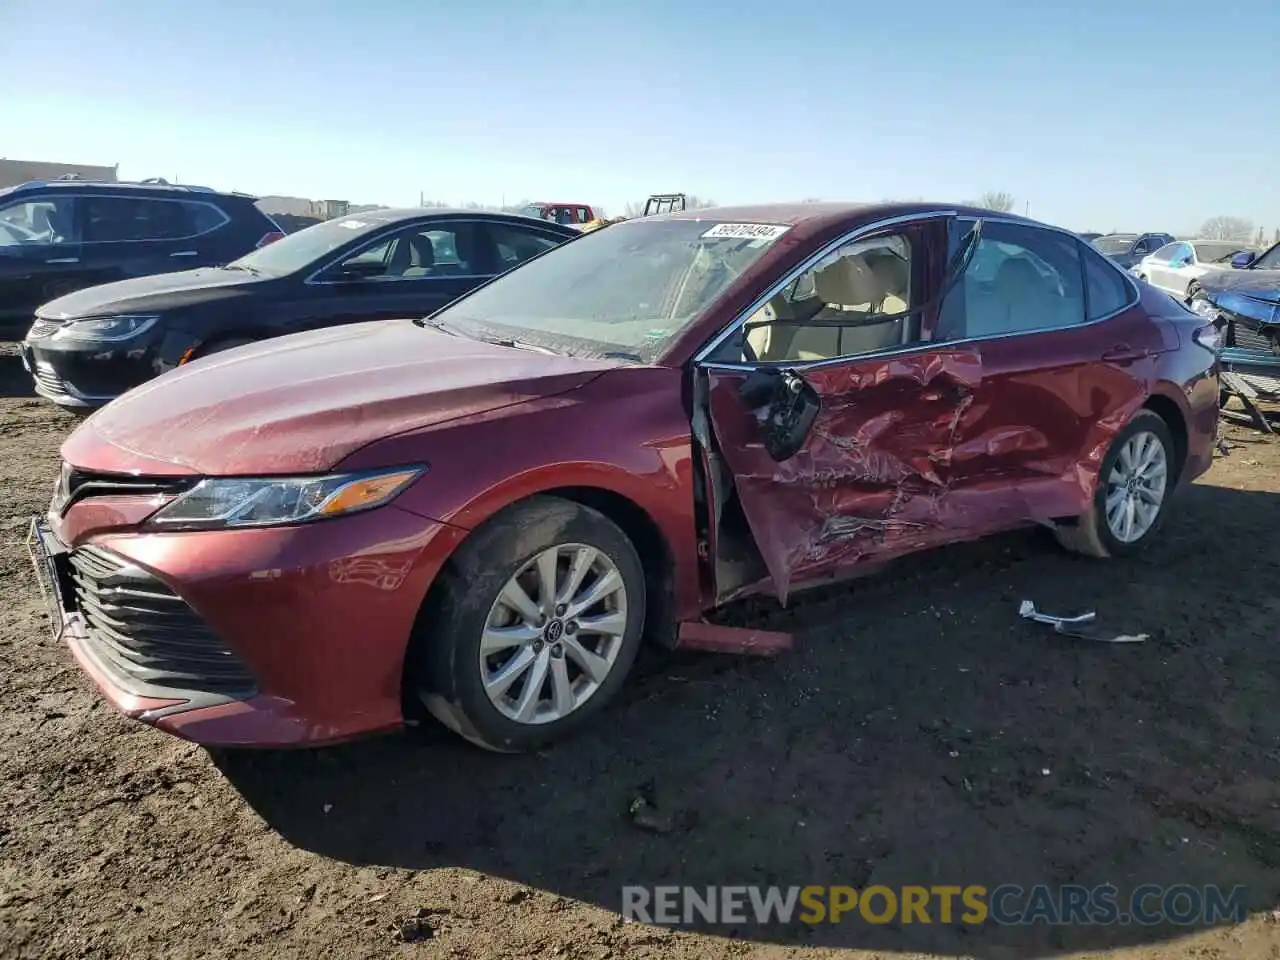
[1083, 627]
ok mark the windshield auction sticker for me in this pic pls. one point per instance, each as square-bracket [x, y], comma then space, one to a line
[746, 231]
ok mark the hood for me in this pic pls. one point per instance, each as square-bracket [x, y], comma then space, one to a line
[158, 293]
[1255, 284]
[301, 403]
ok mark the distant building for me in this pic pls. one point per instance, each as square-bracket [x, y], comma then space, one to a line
[20, 171]
[277, 206]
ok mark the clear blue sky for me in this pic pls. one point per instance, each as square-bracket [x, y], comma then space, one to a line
[1099, 114]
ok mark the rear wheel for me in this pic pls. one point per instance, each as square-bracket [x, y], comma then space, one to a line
[536, 626]
[1137, 476]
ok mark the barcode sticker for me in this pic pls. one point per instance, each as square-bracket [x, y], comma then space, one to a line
[746, 231]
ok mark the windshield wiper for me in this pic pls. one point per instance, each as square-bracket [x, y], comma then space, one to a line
[243, 266]
[519, 345]
[444, 327]
[623, 355]
[435, 325]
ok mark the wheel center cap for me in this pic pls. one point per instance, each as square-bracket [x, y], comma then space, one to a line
[554, 631]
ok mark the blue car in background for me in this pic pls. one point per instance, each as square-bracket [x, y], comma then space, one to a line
[1246, 300]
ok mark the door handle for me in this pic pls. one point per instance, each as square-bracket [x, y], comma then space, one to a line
[1122, 351]
[185, 253]
[64, 260]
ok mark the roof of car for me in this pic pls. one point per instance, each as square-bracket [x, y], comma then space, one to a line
[396, 214]
[121, 186]
[816, 216]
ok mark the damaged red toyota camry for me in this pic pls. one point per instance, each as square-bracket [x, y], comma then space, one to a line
[485, 513]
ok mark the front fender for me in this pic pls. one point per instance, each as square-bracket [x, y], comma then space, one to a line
[625, 433]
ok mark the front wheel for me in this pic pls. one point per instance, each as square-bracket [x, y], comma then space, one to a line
[1138, 474]
[537, 626]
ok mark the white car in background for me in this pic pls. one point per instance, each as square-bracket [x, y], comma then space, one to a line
[1177, 267]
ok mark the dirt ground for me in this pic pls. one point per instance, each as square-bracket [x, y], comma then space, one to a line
[920, 732]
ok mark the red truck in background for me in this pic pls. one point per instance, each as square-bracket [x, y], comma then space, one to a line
[571, 214]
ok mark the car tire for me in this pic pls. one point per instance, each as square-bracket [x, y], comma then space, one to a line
[1101, 533]
[480, 695]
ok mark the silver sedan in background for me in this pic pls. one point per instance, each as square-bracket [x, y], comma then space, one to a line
[1176, 268]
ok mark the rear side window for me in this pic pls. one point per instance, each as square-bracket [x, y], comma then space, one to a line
[117, 219]
[1107, 292]
[1021, 279]
[205, 217]
[516, 244]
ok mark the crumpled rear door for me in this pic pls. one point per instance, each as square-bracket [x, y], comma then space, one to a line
[873, 477]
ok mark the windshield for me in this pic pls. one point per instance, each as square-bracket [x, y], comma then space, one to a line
[628, 288]
[1216, 251]
[533, 210]
[1119, 243]
[1269, 260]
[301, 249]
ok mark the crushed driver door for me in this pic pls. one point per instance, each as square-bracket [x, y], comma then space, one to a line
[847, 461]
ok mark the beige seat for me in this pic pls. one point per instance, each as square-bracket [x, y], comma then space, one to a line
[1020, 299]
[894, 276]
[845, 287]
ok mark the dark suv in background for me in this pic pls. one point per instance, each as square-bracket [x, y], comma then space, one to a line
[58, 236]
[1126, 249]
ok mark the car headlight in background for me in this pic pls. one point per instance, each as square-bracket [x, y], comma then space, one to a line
[220, 503]
[1205, 308]
[105, 329]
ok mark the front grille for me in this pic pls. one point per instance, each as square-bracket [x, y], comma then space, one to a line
[46, 378]
[144, 633]
[76, 485]
[1245, 337]
[42, 328]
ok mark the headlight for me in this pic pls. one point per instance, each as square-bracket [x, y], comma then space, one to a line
[105, 328]
[220, 503]
[1205, 308]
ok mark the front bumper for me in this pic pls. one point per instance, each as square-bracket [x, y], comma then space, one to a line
[251, 638]
[86, 374]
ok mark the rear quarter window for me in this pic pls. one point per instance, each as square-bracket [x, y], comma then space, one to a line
[1107, 291]
[206, 217]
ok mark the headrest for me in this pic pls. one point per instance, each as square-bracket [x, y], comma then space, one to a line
[892, 272]
[424, 252]
[1017, 276]
[848, 282]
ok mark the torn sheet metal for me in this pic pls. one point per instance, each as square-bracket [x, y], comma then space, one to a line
[700, 635]
[1083, 626]
[920, 450]
[871, 473]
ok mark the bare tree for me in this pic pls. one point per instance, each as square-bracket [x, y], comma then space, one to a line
[998, 201]
[1227, 228]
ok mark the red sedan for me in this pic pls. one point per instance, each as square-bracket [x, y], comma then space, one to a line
[485, 513]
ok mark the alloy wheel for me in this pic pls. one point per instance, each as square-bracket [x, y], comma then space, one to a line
[553, 634]
[1136, 486]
